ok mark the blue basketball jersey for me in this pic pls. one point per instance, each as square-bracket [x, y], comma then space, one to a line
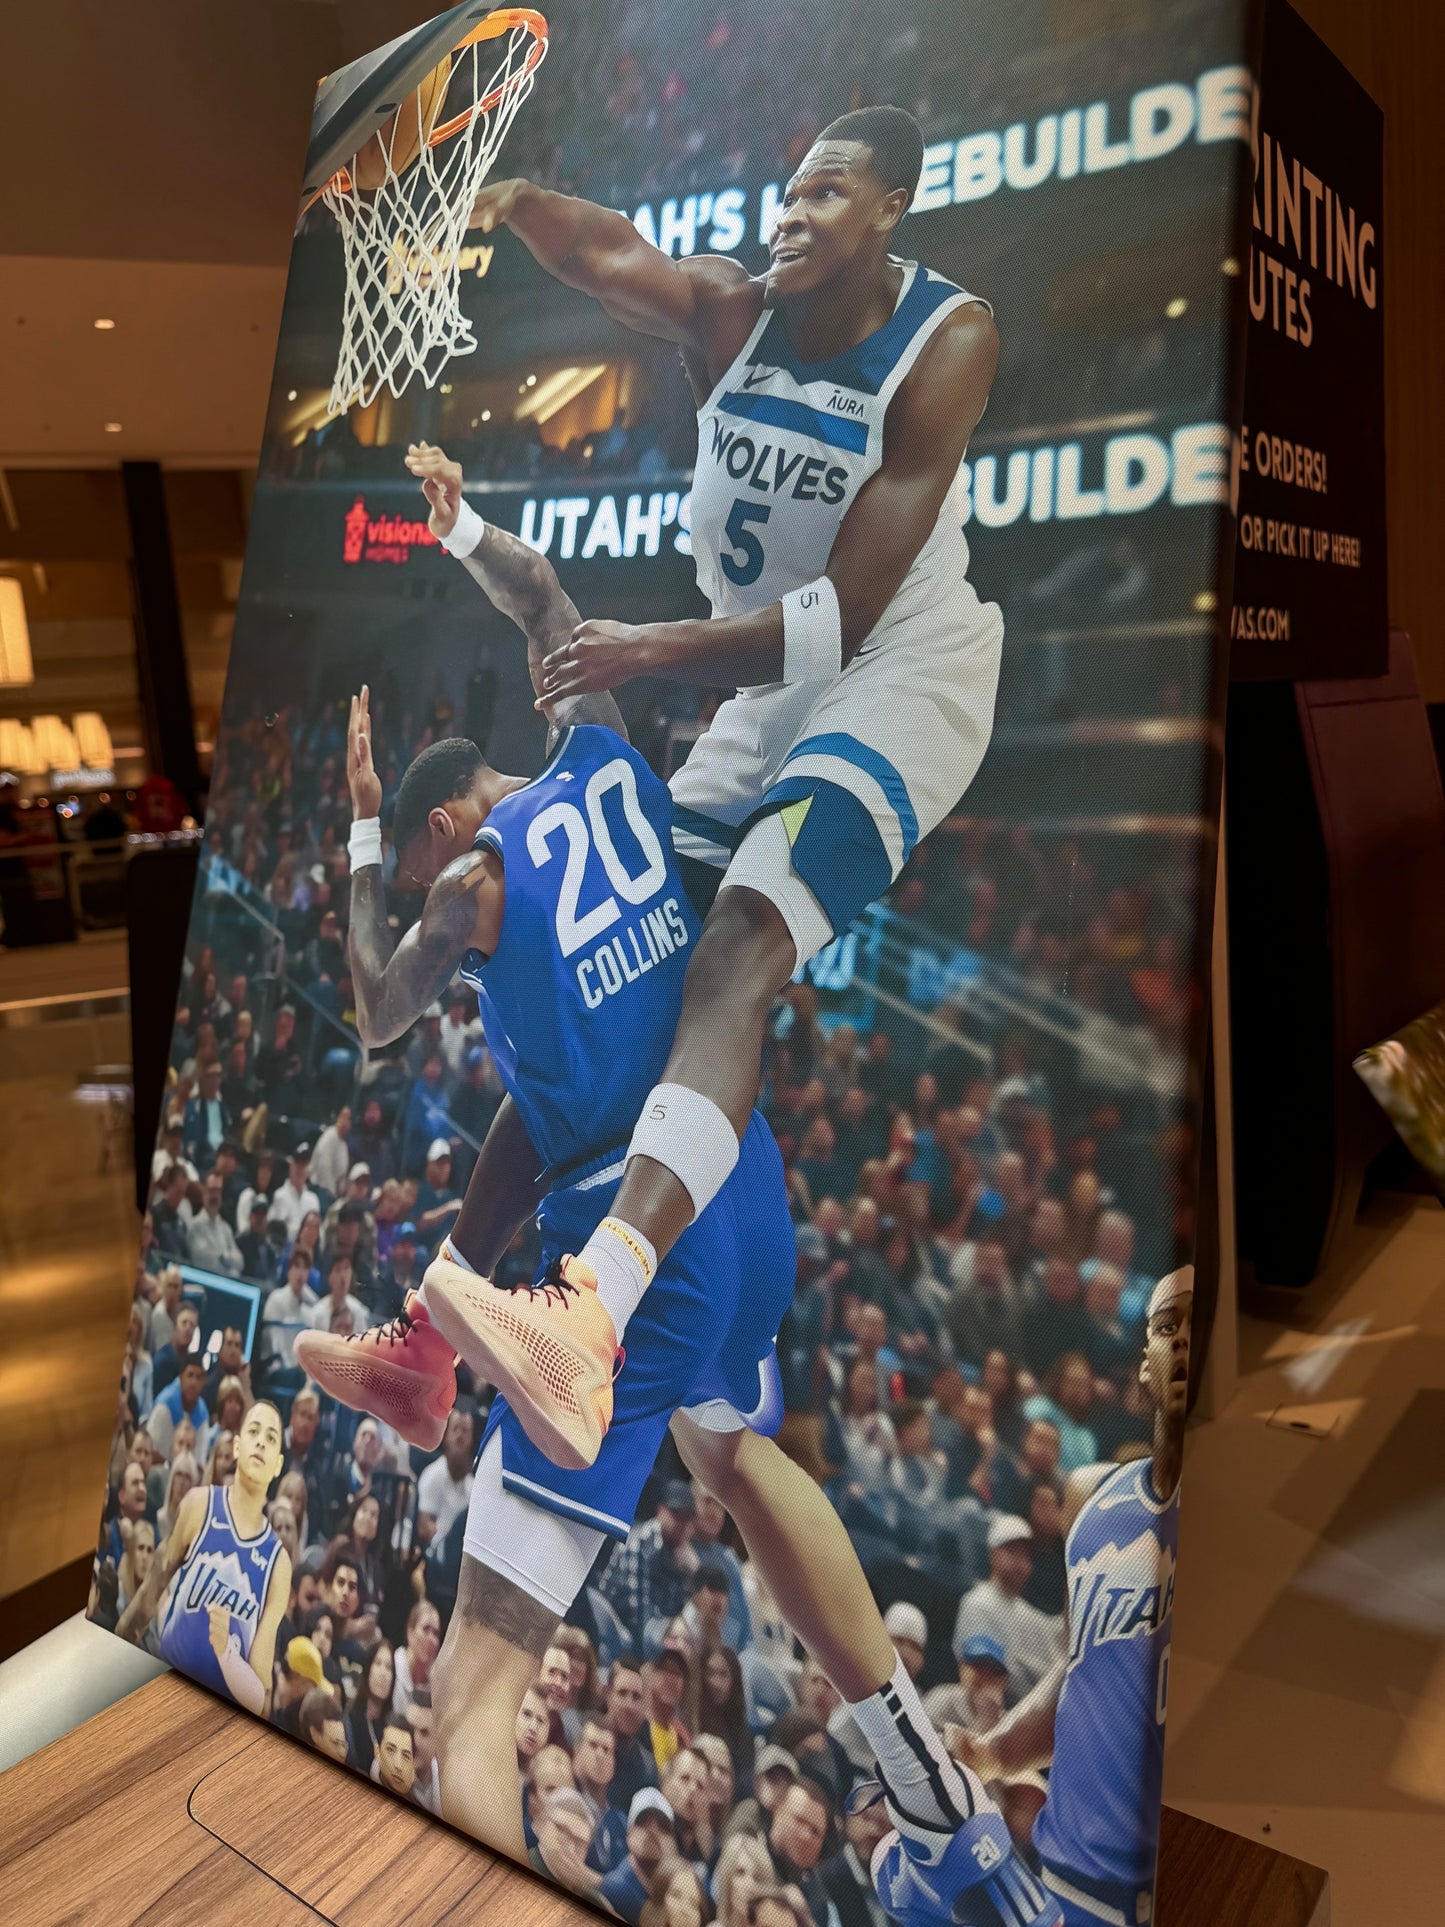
[1101, 1819]
[581, 997]
[221, 1569]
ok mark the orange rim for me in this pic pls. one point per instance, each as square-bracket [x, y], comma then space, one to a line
[506, 20]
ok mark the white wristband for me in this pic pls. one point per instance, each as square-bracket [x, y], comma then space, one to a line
[364, 845]
[812, 633]
[688, 1134]
[466, 534]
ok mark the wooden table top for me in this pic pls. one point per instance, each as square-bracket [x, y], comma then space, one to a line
[172, 1808]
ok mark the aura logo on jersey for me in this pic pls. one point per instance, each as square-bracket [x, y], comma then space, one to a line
[1122, 1593]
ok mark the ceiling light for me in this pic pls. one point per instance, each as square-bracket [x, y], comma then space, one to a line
[112, 428]
[1176, 307]
[486, 414]
[1204, 602]
[531, 381]
[104, 323]
[290, 394]
[15, 663]
[1229, 265]
[560, 387]
[446, 388]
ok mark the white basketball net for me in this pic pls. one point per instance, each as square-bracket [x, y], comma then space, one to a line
[402, 241]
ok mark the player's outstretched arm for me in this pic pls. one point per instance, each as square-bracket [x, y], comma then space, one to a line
[164, 1566]
[929, 424]
[521, 583]
[394, 982]
[1022, 1739]
[599, 252]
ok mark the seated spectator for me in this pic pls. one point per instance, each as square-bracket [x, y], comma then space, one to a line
[241, 1090]
[360, 1530]
[286, 1312]
[415, 1660]
[1032, 1642]
[370, 1144]
[981, 1696]
[207, 1120]
[1048, 1585]
[170, 1214]
[983, 1311]
[229, 1363]
[847, 1875]
[676, 1897]
[533, 1728]
[299, 1671]
[444, 1489]
[221, 1459]
[1056, 1322]
[774, 1774]
[340, 1310]
[402, 1272]
[421, 1720]
[321, 1723]
[171, 1150]
[265, 1176]
[648, 1577]
[160, 1323]
[744, 1868]
[395, 1765]
[796, 1838]
[229, 1409]
[166, 1366]
[667, 1679]
[180, 1399]
[437, 1199]
[1017, 1475]
[685, 1786]
[594, 1766]
[183, 1477]
[293, 1199]
[1067, 1403]
[258, 1254]
[627, 1717]
[131, 1506]
[563, 1835]
[427, 1116]
[331, 1159]
[723, 1709]
[651, 1836]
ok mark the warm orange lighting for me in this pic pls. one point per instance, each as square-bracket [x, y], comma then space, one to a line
[55, 743]
[17, 749]
[15, 664]
[96, 749]
[104, 323]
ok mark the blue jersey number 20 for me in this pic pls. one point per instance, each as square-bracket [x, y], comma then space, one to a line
[745, 564]
[582, 834]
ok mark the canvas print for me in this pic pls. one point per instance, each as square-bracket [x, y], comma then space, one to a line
[662, 1335]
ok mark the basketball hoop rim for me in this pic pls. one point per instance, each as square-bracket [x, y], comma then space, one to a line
[504, 20]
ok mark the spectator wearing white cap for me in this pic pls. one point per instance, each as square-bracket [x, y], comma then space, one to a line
[331, 1160]
[437, 1198]
[293, 1197]
[1032, 1642]
[651, 1833]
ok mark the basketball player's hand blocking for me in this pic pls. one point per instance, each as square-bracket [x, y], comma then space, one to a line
[441, 484]
[598, 655]
[494, 204]
[361, 777]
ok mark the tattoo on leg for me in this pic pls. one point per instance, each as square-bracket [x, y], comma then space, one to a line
[485, 1598]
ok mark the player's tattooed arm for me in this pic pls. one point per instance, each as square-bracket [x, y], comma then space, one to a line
[164, 1567]
[925, 438]
[394, 982]
[519, 582]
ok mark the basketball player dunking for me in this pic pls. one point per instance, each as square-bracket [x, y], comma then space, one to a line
[221, 1581]
[836, 395]
[1100, 1714]
[561, 902]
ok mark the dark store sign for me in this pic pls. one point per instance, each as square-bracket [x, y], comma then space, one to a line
[1310, 592]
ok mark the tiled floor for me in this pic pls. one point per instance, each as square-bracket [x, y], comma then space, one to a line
[1308, 1677]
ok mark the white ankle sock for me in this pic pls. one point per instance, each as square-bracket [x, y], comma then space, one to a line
[446, 1249]
[928, 1793]
[624, 1262]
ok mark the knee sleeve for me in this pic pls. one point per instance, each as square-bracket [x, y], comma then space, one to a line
[548, 1556]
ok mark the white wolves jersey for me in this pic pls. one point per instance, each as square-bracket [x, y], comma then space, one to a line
[221, 1569]
[784, 445]
[581, 997]
[1101, 1819]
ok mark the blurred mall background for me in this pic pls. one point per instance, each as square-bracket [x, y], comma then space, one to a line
[151, 154]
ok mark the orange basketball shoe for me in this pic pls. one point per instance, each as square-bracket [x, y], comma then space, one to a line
[403, 1372]
[551, 1349]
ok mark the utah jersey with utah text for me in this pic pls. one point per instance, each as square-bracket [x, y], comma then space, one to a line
[785, 445]
[221, 1569]
[1101, 1818]
[581, 997]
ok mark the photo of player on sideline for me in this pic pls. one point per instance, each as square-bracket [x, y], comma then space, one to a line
[504, 913]
[1097, 1720]
[832, 553]
[217, 1588]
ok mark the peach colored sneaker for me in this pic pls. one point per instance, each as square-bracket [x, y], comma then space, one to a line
[550, 1349]
[402, 1372]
